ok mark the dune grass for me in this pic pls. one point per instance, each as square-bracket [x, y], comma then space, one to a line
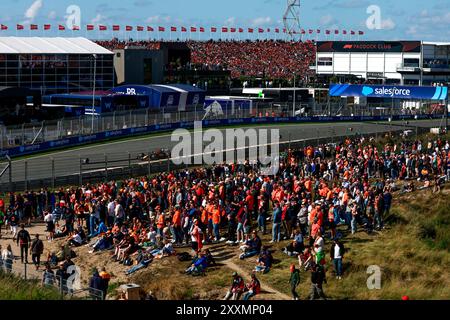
[15, 288]
[412, 253]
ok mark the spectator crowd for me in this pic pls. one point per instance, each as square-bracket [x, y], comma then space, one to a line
[273, 59]
[317, 189]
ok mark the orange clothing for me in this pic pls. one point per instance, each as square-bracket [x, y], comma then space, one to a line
[160, 223]
[176, 219]
[216, 216]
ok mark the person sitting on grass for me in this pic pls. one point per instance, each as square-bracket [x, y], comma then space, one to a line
[305, 259]
[295, 246]
[209, 258]
[100, 229]
[76, 240]
[121, 245]
[165, 251]
[143, 260]
[236, 289]
[199, 265]
[104, 243]
[124, 253]
[251, 247]
[254, 288]
[264, 261]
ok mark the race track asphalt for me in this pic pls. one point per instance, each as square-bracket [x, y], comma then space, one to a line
[67, 162]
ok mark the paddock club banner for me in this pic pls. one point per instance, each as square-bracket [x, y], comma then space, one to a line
[116, 134]
[369, 46]
[389, 92]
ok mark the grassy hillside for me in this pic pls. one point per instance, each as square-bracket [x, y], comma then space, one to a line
[413, 254]
[14, 288]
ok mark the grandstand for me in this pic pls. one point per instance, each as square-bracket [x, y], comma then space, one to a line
[268, 59]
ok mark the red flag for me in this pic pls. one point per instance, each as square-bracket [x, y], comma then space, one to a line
[318, 30]
[150, 29]
[47, 27]
[162, 29]
[233, 30]
[352, 33]
[360, 33]
[213, 29]
[344, 32]
[102, 28]
[75, 28]
[336, 31]
[140, 28]
[241, 30]
[173, 29]
[202, 29]
[250, 30]
[19, 27]
[310, 31]
[34, 27]
[328, 32]
[224, 29]
[116, 27]
[268, 29]
[61, 27]
[277, 30]
[303, 31]
[183, 29]
[284, 30]
[4, 27]
[260, 30]
[90, 27]
[193, 29]
[128, 28]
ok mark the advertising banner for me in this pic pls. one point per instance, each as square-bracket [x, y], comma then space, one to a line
[102, 136]
[386, 92]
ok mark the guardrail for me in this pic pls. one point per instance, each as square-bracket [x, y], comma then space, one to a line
[67, 171]
[156, 128]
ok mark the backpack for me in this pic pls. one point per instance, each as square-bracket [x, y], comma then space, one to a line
[184, 256]
[128, 262]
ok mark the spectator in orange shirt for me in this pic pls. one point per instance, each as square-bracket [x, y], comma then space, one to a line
[216, 222]
[176, 225]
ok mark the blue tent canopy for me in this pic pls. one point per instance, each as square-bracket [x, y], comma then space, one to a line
[177, 96]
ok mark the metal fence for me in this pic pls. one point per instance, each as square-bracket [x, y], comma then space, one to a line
[29, 134]
[63, 285]
[46, 172]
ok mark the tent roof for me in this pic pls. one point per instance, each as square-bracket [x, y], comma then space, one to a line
[56, 45]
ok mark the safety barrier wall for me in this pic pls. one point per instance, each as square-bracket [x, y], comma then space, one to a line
[122, 133]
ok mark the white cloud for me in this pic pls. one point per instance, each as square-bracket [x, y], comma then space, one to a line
[33, 10]
[327, 20]
[230, 21]
[98, 18]
[261, 21]
[388, 24]
[158, 19]
[52, 15]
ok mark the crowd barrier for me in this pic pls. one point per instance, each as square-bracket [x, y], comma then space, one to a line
[122, 133]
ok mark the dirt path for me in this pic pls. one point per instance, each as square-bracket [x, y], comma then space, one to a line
[266, 289]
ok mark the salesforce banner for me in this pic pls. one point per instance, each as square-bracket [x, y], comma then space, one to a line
[394, 92]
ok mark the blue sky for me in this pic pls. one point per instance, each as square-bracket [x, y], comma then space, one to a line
[399, 19]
